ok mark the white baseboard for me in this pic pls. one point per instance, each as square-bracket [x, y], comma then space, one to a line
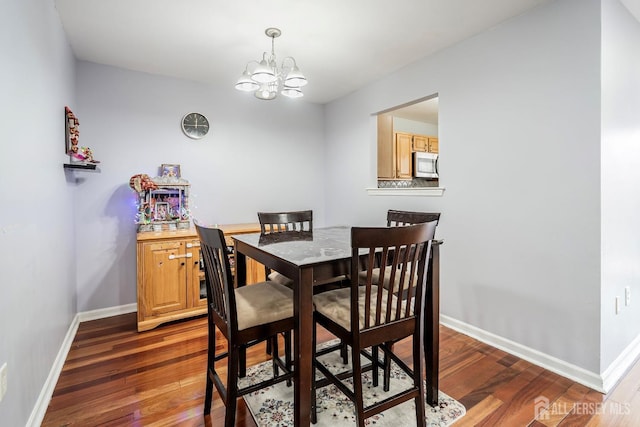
[575, 373]
[101, 313]
[40, 408]
[623, 362]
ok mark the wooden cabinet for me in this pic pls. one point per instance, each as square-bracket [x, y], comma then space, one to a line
[433, 144]
[420, 143]
[394, 151]
[404, 160]
[386, 148]
[170, 279]
[425, 143]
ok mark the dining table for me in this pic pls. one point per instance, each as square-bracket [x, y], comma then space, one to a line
[316, 257]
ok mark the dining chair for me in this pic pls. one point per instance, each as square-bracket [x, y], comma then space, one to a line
[292, 222]
[367, 316]
[398, 218]
[245, 316]
[277, 222]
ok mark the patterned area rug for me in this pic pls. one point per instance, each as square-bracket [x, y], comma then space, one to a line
[273, 406]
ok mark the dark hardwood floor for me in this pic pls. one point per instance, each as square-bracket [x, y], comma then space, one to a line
[115, 376]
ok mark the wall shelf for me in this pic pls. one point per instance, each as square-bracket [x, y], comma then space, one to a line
[85, 166]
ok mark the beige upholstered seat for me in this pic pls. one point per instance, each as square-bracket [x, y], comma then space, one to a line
[263, 302]
[280, 279]
[336, 305]
[375, 278]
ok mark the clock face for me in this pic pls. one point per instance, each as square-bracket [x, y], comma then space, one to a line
[195, 125]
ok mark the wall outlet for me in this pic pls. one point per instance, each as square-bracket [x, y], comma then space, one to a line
[3, 381]
[617, 305]
[627, 295]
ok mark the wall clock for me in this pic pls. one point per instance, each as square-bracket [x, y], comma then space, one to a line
[195, 125]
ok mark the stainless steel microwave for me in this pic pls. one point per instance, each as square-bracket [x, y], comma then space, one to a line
[425, 165]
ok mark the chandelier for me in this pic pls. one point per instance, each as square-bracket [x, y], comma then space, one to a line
[267, 80]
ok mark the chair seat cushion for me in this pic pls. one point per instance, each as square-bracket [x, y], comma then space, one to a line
[263, 302]
[375, 278]
[336, 305]
[280, 279]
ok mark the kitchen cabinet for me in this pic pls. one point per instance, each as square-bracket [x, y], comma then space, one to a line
[386, 148]
[394, 151]
[170, 274]
[433, 144]
[420, 143]
[425, 143]
[404, 160]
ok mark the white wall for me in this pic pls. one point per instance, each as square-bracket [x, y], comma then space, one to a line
[258, 155]
[413, 126]
[620, 177]
[519, 129]
[37, 284]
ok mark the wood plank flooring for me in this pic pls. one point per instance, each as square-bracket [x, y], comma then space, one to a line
[115, 376]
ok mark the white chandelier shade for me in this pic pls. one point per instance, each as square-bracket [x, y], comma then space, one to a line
[267, 80]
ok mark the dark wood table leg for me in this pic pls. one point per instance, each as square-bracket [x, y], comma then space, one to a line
[432, 325]
[240, 279]
[303, 339]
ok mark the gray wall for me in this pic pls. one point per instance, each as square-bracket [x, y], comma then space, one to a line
[37, 224]
[519, 130]
[620, 177]
[258, 155]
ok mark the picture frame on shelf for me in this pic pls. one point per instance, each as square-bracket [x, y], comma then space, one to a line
[71, 132]
[161, 211]
[170, 170]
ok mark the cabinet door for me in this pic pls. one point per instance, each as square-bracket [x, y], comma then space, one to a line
[403, 155]
[420, 143]
[197, 285]
[164, 277]
[433, 145]
[386, 150]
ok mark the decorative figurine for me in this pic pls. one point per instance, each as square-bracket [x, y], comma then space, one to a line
[163, 201]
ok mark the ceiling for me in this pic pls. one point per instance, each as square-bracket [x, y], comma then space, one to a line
[339, 45]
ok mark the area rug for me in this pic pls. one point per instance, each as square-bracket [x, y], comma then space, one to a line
[273, 406]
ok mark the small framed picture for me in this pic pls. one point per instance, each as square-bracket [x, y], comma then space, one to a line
[71, 132]
[161, 212]
[170, 171]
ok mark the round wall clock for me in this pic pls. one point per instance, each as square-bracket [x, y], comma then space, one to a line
[195, 125]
